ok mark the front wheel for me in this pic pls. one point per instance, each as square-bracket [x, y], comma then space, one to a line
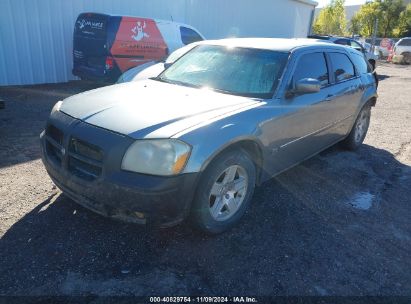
[224, 192]
[359, 130]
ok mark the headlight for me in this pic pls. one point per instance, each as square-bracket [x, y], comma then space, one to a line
[156, 156]
[56, 107]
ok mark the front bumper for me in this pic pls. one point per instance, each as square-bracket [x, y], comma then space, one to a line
[131, 197]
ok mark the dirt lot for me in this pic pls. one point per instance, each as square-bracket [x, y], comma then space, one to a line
[339, 224]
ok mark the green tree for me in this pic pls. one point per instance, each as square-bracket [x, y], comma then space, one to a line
[390, 11]
[363, 21]
[331, 20]
[404, 23]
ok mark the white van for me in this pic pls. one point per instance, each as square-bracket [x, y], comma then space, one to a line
[106, 46]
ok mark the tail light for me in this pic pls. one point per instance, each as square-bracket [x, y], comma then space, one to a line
[109, 63]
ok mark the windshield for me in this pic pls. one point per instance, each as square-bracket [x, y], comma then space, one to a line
[238, 71]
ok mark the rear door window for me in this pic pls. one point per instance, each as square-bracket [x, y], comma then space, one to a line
[312, 66]
[188, 35]
[343, 68]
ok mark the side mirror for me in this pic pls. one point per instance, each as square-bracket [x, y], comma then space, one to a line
[307, 85]
[167, 64]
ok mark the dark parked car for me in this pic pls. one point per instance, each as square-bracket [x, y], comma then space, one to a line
[195, 140]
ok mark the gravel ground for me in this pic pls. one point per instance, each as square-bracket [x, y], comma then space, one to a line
[339, 224]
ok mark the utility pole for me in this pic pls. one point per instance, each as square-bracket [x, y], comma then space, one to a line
[374, 35]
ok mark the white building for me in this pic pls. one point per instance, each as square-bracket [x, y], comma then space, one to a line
[36, 36]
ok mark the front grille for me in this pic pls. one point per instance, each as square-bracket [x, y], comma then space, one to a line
[54, 144]
[55, 134]
[84, 159]
[81, 159]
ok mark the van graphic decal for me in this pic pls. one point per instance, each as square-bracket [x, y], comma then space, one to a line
[138, 30]
[137, 38]
[92, 24]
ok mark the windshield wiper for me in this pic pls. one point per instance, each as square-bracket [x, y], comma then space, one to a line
[177, 82]
[250, 95]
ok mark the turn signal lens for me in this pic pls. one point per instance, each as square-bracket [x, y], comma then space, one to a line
[180, 163]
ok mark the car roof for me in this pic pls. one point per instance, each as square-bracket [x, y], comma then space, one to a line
[330, 37]
[274, 44]
[142, 17]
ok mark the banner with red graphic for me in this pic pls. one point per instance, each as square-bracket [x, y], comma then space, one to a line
[138, 41]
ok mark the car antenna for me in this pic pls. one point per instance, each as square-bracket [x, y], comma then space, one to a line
[171, 18]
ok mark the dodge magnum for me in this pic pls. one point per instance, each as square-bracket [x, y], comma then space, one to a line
[194, 141]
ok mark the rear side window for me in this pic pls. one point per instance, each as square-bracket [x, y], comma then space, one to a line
[189, 36]
[360, 63]
[405, 42]
[312, 66]
[342, 66]
[342, 42]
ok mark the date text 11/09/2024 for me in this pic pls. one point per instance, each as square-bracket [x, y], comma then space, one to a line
[203, 300]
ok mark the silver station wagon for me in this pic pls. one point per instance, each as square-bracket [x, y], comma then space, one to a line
[194, 141]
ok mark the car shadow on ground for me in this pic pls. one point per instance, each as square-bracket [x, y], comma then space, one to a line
[383, 77]
[337, 224]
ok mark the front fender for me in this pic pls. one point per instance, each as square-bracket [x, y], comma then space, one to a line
[209, 140]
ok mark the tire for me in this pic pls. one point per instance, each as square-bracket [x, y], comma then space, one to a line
[372, 63]
[359, 129]
[406, 57]
[228, 182]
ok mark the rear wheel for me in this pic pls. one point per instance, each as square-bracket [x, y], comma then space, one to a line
[359, 130]
[224, 192]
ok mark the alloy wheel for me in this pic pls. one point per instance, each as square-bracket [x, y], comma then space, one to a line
[228, 193]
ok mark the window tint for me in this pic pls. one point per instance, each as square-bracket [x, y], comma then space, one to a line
[342, 42]
[342, 66]
[312, 66]
[360, 63]
[405, 42]
[188, 35]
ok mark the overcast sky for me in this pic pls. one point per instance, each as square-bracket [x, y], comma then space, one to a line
[322, 3]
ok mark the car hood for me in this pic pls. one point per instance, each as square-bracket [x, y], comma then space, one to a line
[150, 108]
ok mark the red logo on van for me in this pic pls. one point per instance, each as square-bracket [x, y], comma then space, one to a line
[138, 41]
